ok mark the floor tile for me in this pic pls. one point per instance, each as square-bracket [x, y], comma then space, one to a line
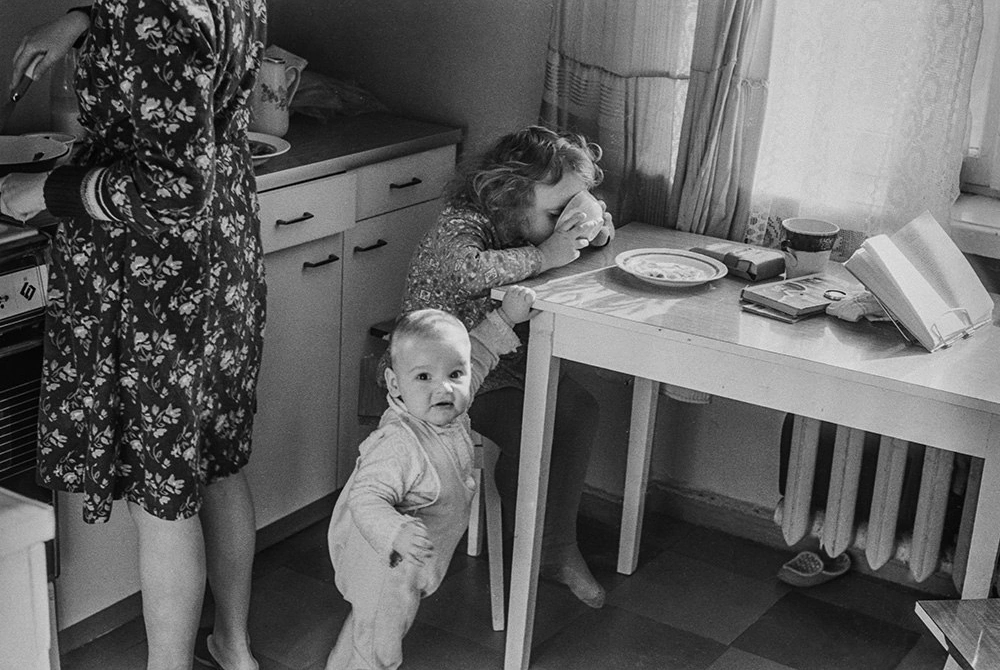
[429, 648]
[876, 598]
[103, 655]
[294, 619]
[696, 596]
[736, 659]
[735, 554]
[802, 632]
[926, 654]
[613, 639]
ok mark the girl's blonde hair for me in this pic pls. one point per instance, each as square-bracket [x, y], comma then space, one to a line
[500, 183]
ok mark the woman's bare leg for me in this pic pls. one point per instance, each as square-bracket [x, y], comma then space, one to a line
[172, 577]
[227, 518]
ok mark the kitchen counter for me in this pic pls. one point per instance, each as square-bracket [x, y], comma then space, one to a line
[320, 149]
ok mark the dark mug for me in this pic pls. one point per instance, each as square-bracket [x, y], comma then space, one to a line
[807, 244]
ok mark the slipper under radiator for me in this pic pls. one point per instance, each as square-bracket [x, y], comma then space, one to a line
[909, 502]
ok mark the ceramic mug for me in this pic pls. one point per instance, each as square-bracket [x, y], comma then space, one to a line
[584, 202]
[807, 244]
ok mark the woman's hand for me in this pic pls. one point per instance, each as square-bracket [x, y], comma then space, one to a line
[22, 194]
[52, 40]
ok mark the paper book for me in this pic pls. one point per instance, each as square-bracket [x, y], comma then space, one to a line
[801, 296]
[924, 282]
[745, 260]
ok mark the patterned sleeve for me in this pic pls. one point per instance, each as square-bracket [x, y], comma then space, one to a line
[491, 339]
[478, 268]
[389, 466]
[166, 52]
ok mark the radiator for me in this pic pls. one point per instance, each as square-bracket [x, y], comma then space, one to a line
[899, 513]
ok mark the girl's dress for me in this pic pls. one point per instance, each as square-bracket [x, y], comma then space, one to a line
[155, 317]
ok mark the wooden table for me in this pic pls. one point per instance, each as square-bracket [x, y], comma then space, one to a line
[858, 375]
[968, 629]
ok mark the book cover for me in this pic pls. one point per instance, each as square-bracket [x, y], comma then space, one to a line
[745, 260]
[770, 312]
[801, 296]
[924, 282]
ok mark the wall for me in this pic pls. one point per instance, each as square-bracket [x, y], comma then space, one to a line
[477, 64]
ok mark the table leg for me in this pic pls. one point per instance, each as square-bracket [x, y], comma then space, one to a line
[640, 445]
[533, 475]
[986, 526]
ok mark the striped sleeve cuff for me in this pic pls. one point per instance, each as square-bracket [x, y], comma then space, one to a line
[72, 191]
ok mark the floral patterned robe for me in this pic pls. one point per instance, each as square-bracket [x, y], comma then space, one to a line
[155, 318]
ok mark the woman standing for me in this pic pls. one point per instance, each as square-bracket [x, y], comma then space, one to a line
[156, 300]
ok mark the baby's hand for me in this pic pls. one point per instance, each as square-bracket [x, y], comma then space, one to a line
[517, 302]
[413, 543]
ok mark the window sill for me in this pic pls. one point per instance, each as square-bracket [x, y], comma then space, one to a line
[975, 225]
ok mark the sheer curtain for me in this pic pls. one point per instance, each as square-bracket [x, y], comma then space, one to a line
[866, 113]
[617, 72]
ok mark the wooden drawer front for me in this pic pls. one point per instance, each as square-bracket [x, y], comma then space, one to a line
[309, 211]
[401, 182]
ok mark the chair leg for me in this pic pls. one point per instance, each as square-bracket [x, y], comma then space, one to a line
[494, 531]
[474, 545]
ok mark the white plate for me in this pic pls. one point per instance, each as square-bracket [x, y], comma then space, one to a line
[23, 149]
[670, 267]
[273, 146]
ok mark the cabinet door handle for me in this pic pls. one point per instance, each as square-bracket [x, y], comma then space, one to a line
[332, 258]
[377, 245]
[413, 182]
[299, 219]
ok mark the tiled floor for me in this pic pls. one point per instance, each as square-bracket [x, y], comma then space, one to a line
[699, 600]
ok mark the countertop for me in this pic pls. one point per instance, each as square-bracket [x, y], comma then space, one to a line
[320, 149]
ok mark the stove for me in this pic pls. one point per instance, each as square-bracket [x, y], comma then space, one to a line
[23, 283]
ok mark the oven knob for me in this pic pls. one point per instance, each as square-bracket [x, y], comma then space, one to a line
[3, 300]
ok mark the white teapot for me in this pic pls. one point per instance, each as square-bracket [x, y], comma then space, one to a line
[276, 84]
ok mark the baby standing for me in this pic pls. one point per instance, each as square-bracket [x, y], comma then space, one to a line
[406, 505]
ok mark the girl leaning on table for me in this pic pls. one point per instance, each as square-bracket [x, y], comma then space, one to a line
[499, 227]
[156, 301]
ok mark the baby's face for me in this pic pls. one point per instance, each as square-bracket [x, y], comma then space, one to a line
[433, 375]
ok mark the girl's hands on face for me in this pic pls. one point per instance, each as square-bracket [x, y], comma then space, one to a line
[561, 248]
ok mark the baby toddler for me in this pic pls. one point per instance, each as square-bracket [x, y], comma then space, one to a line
[406, 505]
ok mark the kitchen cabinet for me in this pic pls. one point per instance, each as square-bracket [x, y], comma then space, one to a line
[294, 461]
[398, 201]
[367, 211]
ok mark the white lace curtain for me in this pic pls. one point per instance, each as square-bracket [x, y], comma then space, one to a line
[866, 114]
[864, 124]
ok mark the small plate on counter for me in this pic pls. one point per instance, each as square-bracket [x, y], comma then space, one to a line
[264, 147]
[670, 267]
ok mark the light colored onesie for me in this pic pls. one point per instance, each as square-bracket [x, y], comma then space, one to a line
[408, 469]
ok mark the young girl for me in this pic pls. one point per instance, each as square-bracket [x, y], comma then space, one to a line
[406, 505]
[499, 227]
